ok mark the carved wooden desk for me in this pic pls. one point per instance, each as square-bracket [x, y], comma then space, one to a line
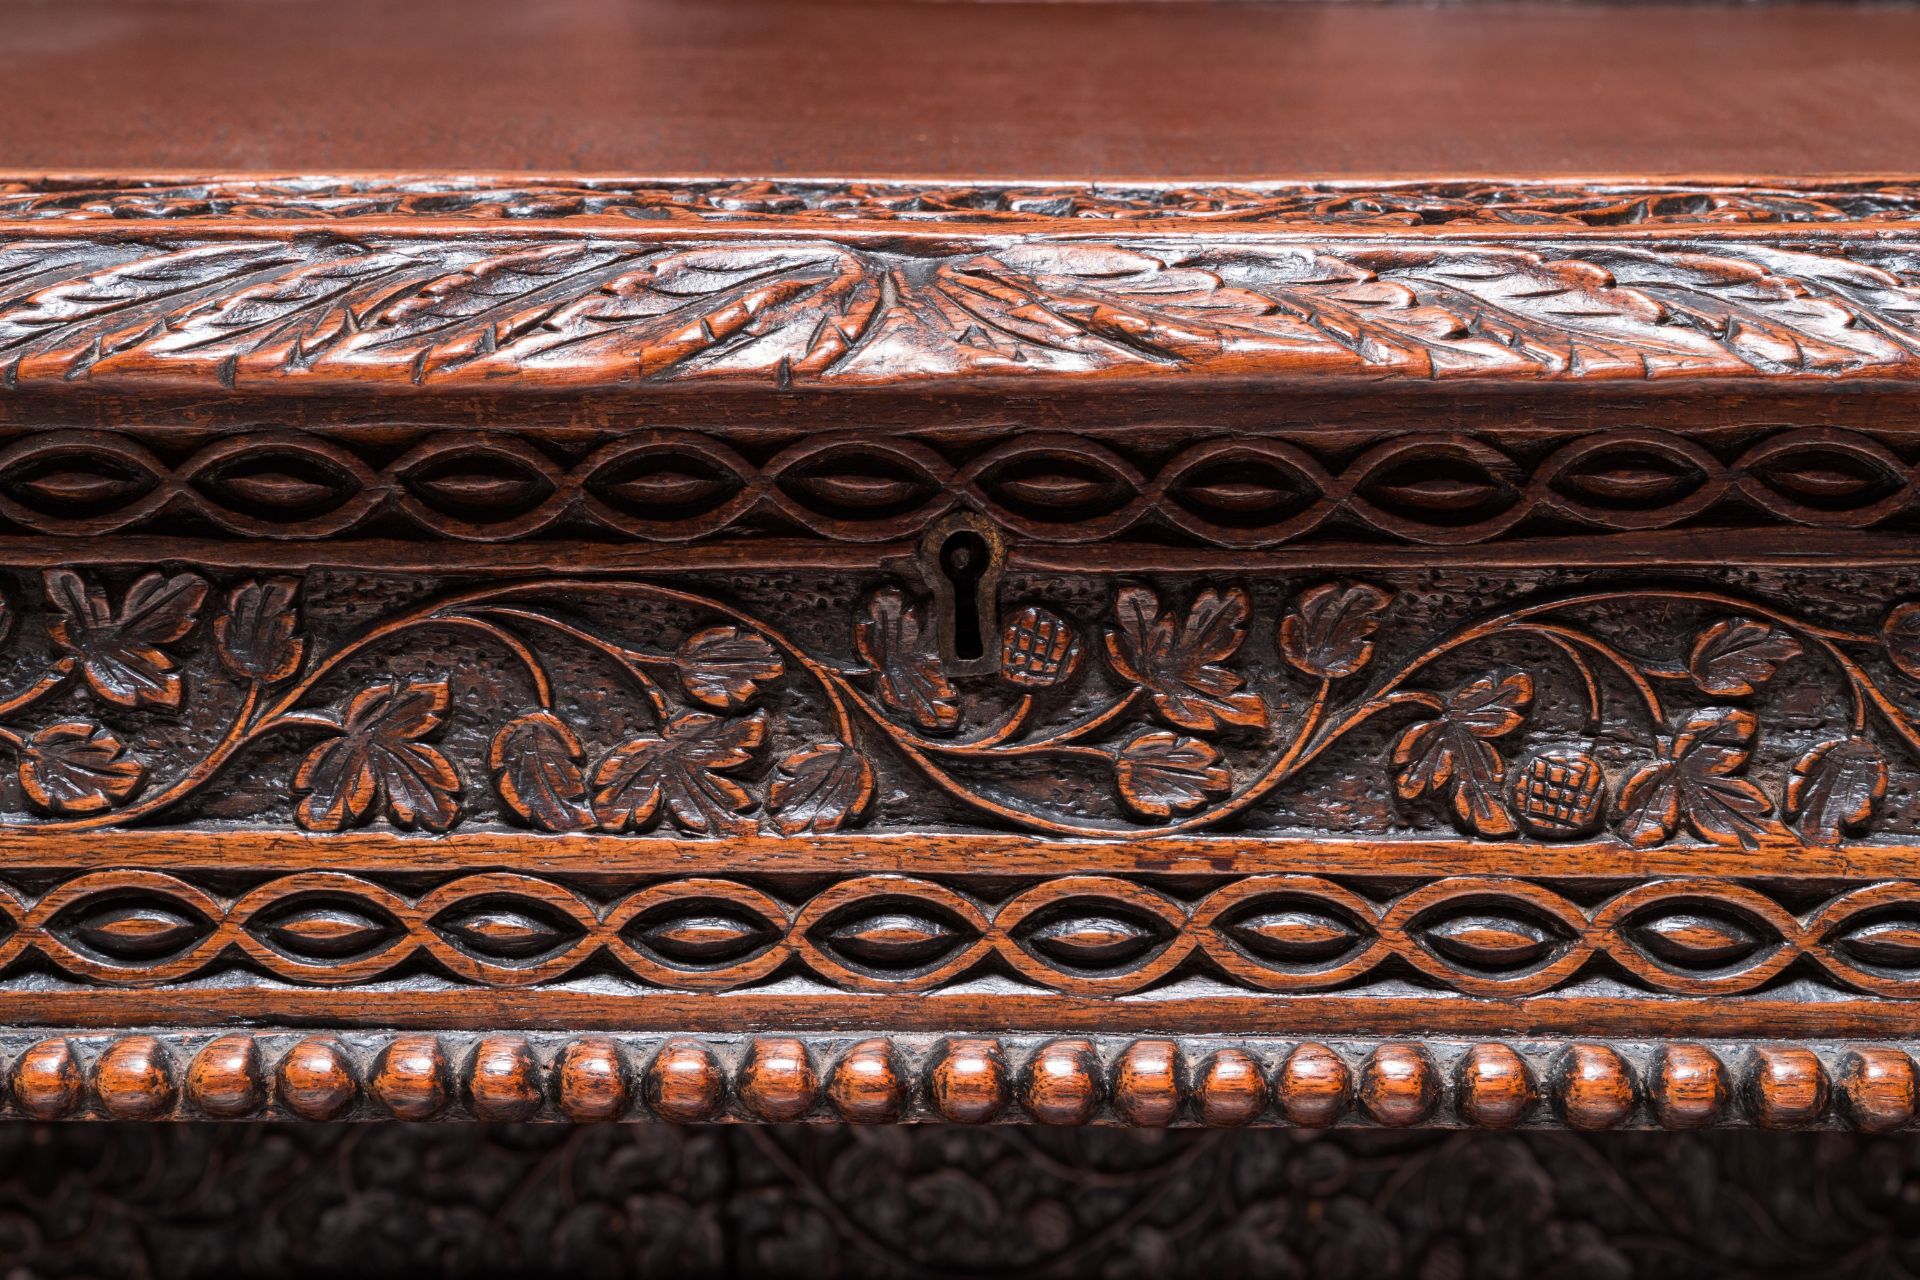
[1389, 652]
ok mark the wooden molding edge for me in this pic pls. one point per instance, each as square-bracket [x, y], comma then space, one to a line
[1143, 1082]
[1490, 201]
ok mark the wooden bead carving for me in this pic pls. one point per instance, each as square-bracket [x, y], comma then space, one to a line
[1230, 1089]
[224, 1082]
[1315, 1087]
[1877, 1088]
[968, 1083]
[1495, 1086]
[503, 1079]
[1146, 1084]
[1594, 1086]
[777, 1081]
[316, 1080]
[866, 1086]
[1398, 1085]
[47, 1081]
[590, 1080]
[409, 1078]
[1689, 1086]
[1786, 1088]
[133, 1079]
[684, 1084]
[1062, 1083]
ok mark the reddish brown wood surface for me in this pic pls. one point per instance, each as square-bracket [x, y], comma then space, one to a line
[958, 91]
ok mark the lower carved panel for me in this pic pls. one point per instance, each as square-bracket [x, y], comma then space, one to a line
[968, 1079]
[1005, 1201]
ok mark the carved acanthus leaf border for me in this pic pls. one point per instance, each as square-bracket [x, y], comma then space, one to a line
[480, 311]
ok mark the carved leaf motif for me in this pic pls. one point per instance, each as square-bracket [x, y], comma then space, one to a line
[684, 772]
[1901, 634]
[1161, 774]
[536, 762]
[294, 314]
[1735, 656]
[820, 788]
[120, 653]
[1071, 297]
[1696, 783]
[1329, 630]
[889, 640]
[378, 759]
[82, 319]
[726, 668]
[77, 767]
[1453, 752]
[1835, 786]
[1178, 663]
[257, 633]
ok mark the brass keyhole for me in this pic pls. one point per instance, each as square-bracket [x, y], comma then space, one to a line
[963, 558]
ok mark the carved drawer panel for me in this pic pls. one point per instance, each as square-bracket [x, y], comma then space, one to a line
[1431, 654]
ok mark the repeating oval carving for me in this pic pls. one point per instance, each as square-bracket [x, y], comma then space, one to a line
[893, 937]
[1695, 939]
[1078, 933]
[673, 485]
[324, 928]
[505, 929]
[137, 929]
[703, 934]
[1490, 939]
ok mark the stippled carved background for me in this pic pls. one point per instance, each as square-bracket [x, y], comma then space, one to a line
[114, 1200]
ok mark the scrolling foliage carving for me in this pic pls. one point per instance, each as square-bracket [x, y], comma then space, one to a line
[466, 311]
[1118, 708]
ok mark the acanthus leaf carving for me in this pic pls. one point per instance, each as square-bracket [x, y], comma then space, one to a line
[606, 310]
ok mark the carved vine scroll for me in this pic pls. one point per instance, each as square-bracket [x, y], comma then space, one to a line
[1143, 711]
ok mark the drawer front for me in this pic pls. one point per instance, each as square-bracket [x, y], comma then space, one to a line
[611, 670]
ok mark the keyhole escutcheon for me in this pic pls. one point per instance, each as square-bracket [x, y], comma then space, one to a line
[962, 559]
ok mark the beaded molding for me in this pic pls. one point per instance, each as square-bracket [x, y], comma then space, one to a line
[960, 1079]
